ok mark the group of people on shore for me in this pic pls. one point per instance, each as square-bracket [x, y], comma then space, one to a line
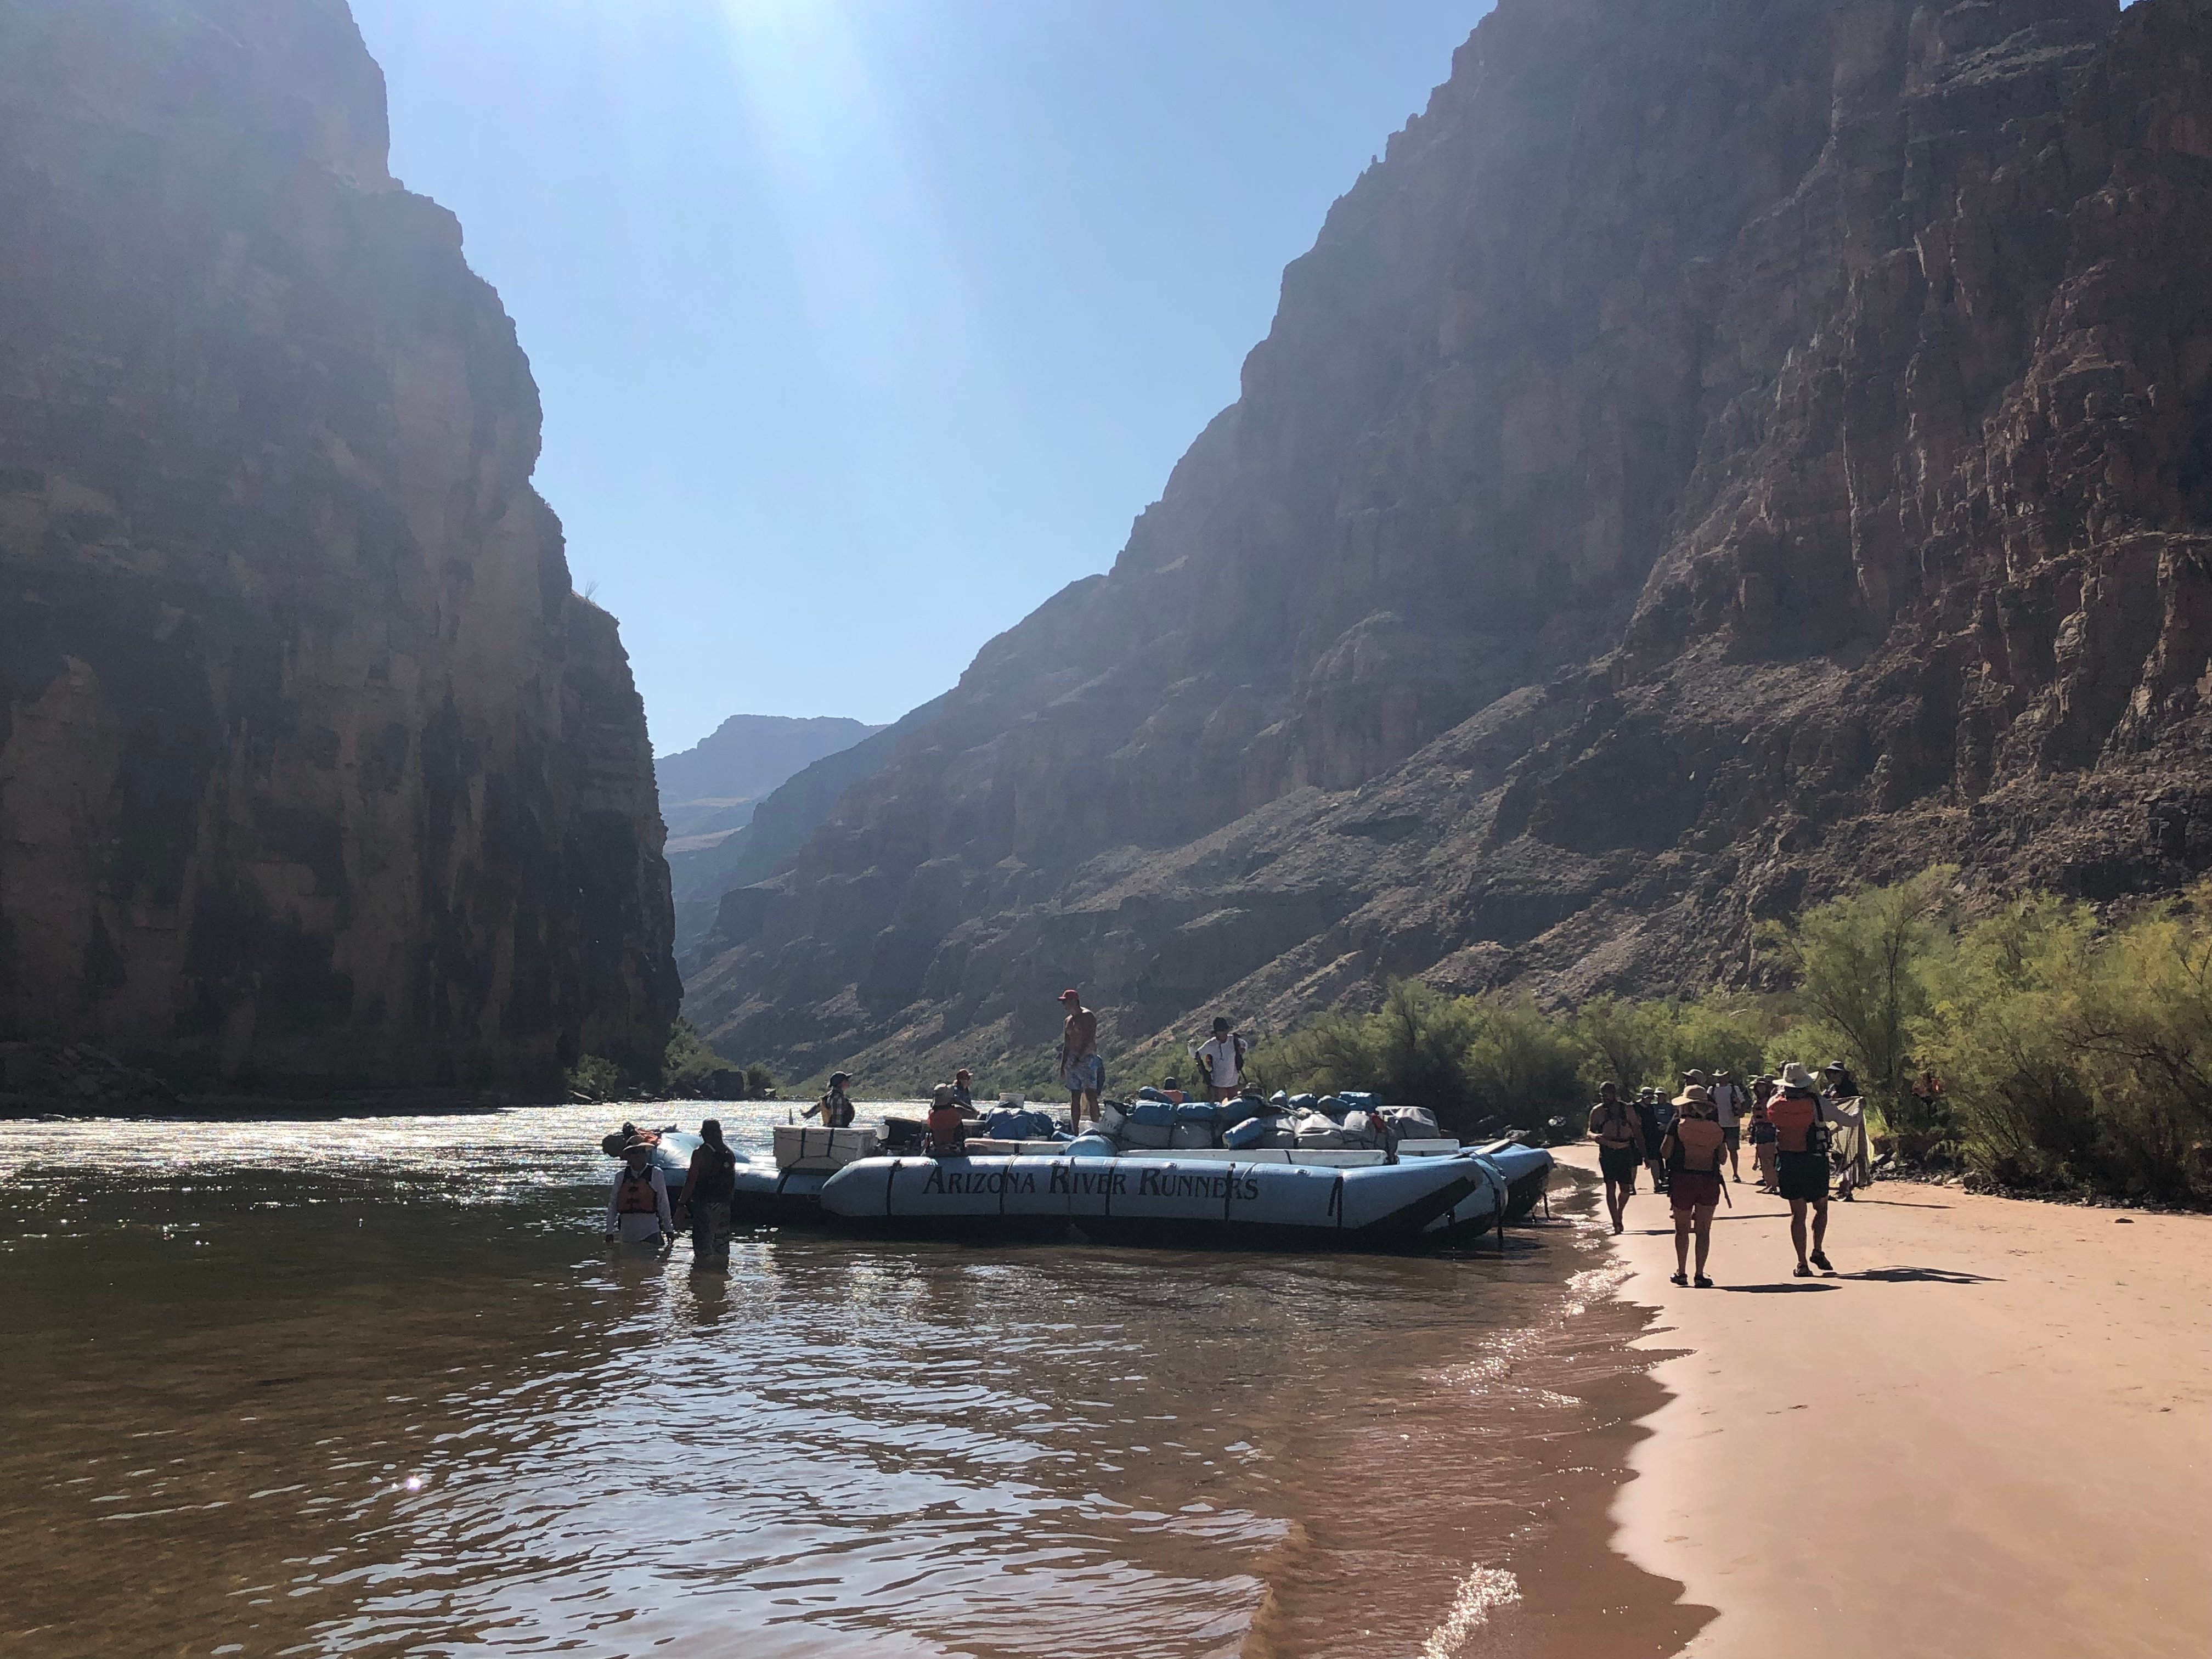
[1691, 1145]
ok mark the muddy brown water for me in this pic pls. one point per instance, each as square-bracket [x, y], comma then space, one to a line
[377, 1387]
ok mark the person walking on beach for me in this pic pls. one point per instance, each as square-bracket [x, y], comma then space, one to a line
[1617, 1128]
[1729, 1103]
[1221, 1058]
[637, 1207]
[1694, 1150]
[1658, 1118]
[1082, 1068]
[1801, 1137]
[1762, 1142]
[835, 1108]
[709, 1186]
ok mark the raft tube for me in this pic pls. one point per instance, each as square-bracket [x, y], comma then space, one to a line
[1417, 1204]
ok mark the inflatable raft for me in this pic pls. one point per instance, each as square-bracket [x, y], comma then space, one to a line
[1417, 1204]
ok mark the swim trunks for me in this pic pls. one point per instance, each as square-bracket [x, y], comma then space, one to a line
[1086, 1076]
[1694, 1190]
[1733, 1136]
[1803, 1176]
[1620, 1163]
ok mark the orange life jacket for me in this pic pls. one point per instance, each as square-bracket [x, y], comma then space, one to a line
[634, 1195]
[947, 1130]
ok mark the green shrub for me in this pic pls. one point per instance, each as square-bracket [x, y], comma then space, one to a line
[596, 1077]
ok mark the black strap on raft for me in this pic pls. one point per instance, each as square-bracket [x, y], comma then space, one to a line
[888, 1179]
[1336, 1198]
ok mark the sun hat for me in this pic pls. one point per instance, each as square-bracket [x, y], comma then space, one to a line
[941, 1095]
[634, 1147]
[1836, 1065]
[962, 1071]
[1794, 1076]
[1070, 994]
[1695, 1095]
[1694, 1075]
[836, 1078]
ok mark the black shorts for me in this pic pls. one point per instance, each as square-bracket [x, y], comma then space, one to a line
[1619, 1164]
[1733, 1136]
[1802, 1175]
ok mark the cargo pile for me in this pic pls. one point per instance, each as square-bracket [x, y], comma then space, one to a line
[1350, 1120]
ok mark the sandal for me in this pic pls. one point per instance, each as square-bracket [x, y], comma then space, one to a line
[1702, 1282]
[1821, 1261]
[1800, 1271]
[1682, 1280]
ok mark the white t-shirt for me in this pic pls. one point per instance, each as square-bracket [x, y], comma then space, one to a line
[1218, 1056]
[1729, 1100]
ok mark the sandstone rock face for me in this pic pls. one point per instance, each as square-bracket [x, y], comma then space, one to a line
[1727, 450]
[313, 773]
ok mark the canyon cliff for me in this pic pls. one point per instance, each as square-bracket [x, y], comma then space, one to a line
[314, 772]
[1725, 451]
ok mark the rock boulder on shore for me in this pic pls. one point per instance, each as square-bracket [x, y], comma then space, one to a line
[1726, 450]
[314, 772]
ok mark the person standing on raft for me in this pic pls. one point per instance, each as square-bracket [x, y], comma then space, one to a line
[1221, 1058]
[835, 1108]
[1693, 1152]
[709, 1186]
[637, 1208]
[1619, 1131]
[1082, 1068]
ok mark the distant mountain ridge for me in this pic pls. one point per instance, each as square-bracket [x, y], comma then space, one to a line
[744, 758]
[708, 793]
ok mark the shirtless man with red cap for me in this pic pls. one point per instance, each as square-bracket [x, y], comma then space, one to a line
[1082, 1069]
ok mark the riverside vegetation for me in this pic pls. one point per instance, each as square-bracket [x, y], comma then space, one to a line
[688, 1070]
[2073, 1051]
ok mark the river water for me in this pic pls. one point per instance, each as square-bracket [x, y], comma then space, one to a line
[378, 1386]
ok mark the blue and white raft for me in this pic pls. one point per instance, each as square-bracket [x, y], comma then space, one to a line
[1417, 1204]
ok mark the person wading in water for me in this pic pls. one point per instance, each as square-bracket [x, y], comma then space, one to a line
[1694, 1152]
[637, 1208]
[1082, 1068]
[836, 1107]
[1800, 1163]
[1617, 1128]
[709, 1186]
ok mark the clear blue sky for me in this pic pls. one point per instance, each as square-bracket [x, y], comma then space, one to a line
[864, 326]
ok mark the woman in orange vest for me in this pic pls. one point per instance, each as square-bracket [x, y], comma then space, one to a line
[1692, 1152]
[945, 1134]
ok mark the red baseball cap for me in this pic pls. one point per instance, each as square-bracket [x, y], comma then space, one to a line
[1070, 996]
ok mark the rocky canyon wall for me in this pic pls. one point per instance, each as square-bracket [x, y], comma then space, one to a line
[1726, 450]
[314, 772]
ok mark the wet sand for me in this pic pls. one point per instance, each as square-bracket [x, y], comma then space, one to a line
[1989, 1433]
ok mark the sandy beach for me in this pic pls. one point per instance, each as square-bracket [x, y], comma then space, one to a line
[1991, 1432]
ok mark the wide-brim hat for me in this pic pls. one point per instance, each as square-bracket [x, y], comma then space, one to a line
[1794, 1076]
[1695, 1095]
[941, 1095]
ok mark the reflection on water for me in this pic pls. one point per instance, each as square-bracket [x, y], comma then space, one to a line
[378, 1387]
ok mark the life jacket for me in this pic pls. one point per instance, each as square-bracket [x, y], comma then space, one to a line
[946, 1130]
[634, 1195]
[836, 1110]
[1797, 1125]
[1698, 1137]
[1616, 1119]
[718, 1176]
